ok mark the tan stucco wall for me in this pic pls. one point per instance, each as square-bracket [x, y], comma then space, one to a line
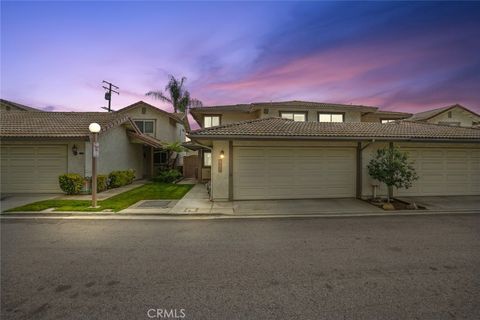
[116, 153]
[312, 113]
[458, 115]
[75, 164]
[220, 180]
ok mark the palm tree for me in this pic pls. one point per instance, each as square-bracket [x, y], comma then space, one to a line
[179, 97]
[173, 151]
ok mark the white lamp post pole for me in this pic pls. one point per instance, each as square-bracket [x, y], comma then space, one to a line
[94, 129]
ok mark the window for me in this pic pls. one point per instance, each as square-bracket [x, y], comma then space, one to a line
[449, 114]
[330, 117]
[387, 120]
[159, 157]
[207, 159]
[146, 126]
[295, 116]
[211, 121]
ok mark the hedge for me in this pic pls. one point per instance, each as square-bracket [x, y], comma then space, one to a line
[168, 176]
[120, 178]
[71, 183]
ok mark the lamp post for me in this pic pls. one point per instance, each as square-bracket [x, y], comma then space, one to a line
[94, 129]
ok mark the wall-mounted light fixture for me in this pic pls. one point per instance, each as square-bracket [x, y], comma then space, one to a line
[74, 150]
[222, 154]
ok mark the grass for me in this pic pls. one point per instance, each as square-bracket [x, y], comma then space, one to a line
[151, 191]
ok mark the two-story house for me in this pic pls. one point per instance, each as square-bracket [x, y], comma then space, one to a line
[295, 149]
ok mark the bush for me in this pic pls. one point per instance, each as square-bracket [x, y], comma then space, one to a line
[71, 183]
[121, 178]
[102, 182]
[168, 176]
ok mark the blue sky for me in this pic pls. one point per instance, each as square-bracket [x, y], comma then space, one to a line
[407, 56]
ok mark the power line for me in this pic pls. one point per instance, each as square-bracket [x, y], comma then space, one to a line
[108, 94]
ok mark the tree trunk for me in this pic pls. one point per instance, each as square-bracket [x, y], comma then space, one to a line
[390, 193]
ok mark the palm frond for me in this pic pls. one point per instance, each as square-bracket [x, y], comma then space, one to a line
[158, 95]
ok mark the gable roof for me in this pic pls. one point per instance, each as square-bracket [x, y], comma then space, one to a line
[174, 116]
[274, 128]
[57, 124]
[22, 107]
[426, 115]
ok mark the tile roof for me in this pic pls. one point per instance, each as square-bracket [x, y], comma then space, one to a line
[174, 116]
[8, 103]
[151, 141]
[425, 115]
[285, 128]
[56, 124]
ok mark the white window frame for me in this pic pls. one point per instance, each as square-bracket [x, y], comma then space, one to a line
[207, 160]
[330, 115]
[142, 128]
[211, 122]
[285, 115]
[386, 120]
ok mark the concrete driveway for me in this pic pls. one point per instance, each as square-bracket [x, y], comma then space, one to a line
[9, 201]
[303, 206]
[451, 203]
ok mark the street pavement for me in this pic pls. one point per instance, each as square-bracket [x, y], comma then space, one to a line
[410, 267]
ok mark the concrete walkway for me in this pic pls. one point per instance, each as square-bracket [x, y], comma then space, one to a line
[10, 201]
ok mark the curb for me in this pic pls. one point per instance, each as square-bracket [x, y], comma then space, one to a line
[183, 216]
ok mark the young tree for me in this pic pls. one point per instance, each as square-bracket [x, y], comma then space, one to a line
[391, 166]
[173, 151]
[178, 96]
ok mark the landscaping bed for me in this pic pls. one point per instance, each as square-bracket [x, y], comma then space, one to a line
[151, 191]
[396, 204]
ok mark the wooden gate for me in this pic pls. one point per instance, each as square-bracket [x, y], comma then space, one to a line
[190, 167]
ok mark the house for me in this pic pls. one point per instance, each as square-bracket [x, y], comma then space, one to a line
[161, 125]
[295, 110]
[37, 147]
[7, 106]
[455, 115]
[313, 150]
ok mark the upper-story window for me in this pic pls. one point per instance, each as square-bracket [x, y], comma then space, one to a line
[295, 116]
[146, 126]
[387, 120]
[211, 121]
[331, 117]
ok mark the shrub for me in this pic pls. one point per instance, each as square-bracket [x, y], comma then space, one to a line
[168, 176]
[71, 183]
[121, 178]
[102, 182]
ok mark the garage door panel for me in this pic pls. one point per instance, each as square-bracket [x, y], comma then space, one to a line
[32, 168]
[444, 171]
[294, 173]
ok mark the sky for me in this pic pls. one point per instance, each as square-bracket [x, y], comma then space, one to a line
[399, 56]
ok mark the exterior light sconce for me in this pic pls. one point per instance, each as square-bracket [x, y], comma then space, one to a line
[74, 150]
[222, 154]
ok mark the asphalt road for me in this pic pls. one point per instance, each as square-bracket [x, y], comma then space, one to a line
[421, 267]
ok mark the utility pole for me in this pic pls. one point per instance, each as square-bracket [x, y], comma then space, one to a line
[108, 94]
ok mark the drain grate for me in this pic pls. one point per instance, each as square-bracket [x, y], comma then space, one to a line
[154, 204]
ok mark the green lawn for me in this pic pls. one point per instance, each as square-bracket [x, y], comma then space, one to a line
[151, 191]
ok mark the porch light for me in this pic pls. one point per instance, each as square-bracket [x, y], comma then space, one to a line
[74, 150]
[222, 154]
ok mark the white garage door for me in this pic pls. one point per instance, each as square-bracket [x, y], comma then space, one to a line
[30, 168]
[444, 171]
[293, 173]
